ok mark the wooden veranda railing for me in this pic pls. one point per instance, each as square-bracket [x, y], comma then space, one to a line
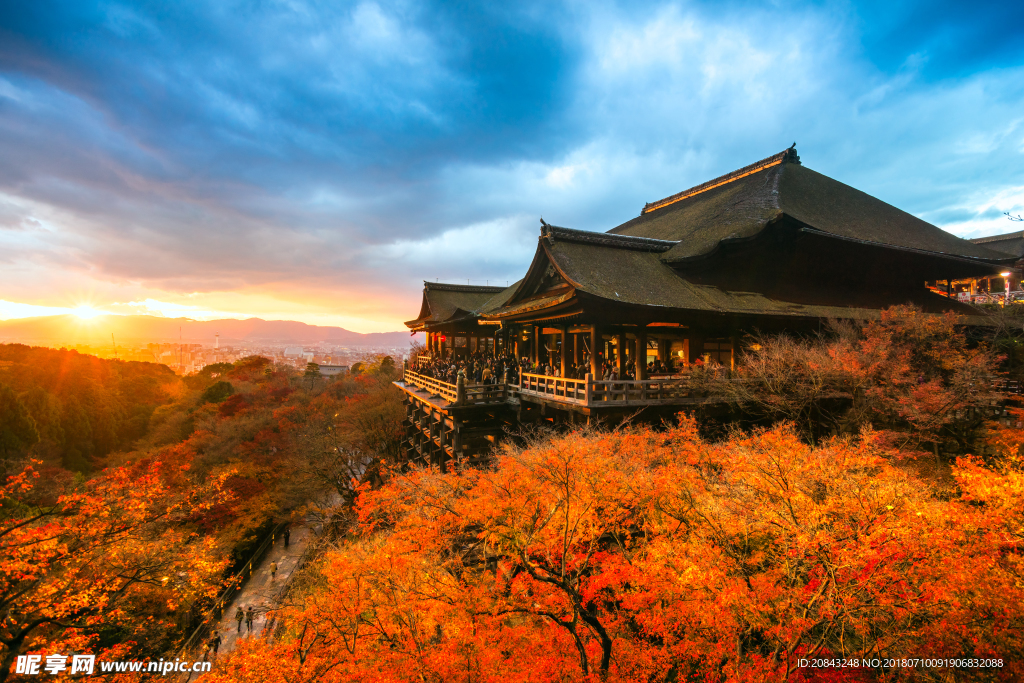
[471, 394]
[607, 393]
[590, 392]
[436, 387]
[558, 388]
[1009, 386]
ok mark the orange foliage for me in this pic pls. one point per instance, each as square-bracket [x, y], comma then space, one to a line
[83, 562]
[911, 374]
[645, 556]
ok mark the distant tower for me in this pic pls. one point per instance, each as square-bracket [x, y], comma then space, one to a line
[216, 341]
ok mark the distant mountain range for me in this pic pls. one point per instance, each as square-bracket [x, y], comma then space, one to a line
[70, 329]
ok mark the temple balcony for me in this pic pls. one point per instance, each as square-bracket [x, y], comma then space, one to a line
[573, 393]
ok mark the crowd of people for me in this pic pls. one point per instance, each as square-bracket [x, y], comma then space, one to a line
[477, 368]
[489, 368]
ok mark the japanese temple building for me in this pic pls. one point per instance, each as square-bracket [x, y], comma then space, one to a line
[771, 247]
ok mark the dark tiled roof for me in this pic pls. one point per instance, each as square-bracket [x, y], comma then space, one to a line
[642, 278]
[739, 205]
[499, 299]
[787, 155]
[624, 275]
[528, 305]
[838, 209]
[605, 239]
[636, 263]
[738, 209]
[1011, 243]
[443, 301]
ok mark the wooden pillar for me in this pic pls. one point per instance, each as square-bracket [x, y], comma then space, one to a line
[620, 351]
[565, 352]
[641, 353]
[536, 346]
[696, 346]
[595, 340]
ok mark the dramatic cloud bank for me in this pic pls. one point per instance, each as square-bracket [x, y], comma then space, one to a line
[317, 160]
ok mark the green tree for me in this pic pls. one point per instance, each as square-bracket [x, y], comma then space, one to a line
[78, 442]
[217, 392]
[312, 373]
[17, 428]
[45, 410]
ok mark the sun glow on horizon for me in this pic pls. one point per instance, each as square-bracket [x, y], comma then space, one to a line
[87, 312]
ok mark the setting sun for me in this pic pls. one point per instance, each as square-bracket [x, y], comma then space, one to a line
[87, 312]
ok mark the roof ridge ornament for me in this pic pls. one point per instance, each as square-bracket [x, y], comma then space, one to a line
[792, 156]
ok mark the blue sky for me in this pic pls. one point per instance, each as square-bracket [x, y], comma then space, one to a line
[317, 160]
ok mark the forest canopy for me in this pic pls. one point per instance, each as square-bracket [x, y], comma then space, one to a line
[131, 494]
[861, 498]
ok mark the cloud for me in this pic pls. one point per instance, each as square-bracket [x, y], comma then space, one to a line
[10, 310]
[166, 309]
[298, 156]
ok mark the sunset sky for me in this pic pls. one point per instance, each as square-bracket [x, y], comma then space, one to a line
[316, 161]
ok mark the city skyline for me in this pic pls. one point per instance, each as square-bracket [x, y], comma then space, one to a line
[315, 163]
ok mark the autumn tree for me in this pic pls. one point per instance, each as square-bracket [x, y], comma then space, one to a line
[642, 555]
[84, 561]
[915, 375]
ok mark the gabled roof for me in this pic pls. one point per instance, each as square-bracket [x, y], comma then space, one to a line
[641, 262]
[630, 271]
[443, 302]
[615, 267]
[739, 205]
[1011, 243]
[609, 246]
[499, 299]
